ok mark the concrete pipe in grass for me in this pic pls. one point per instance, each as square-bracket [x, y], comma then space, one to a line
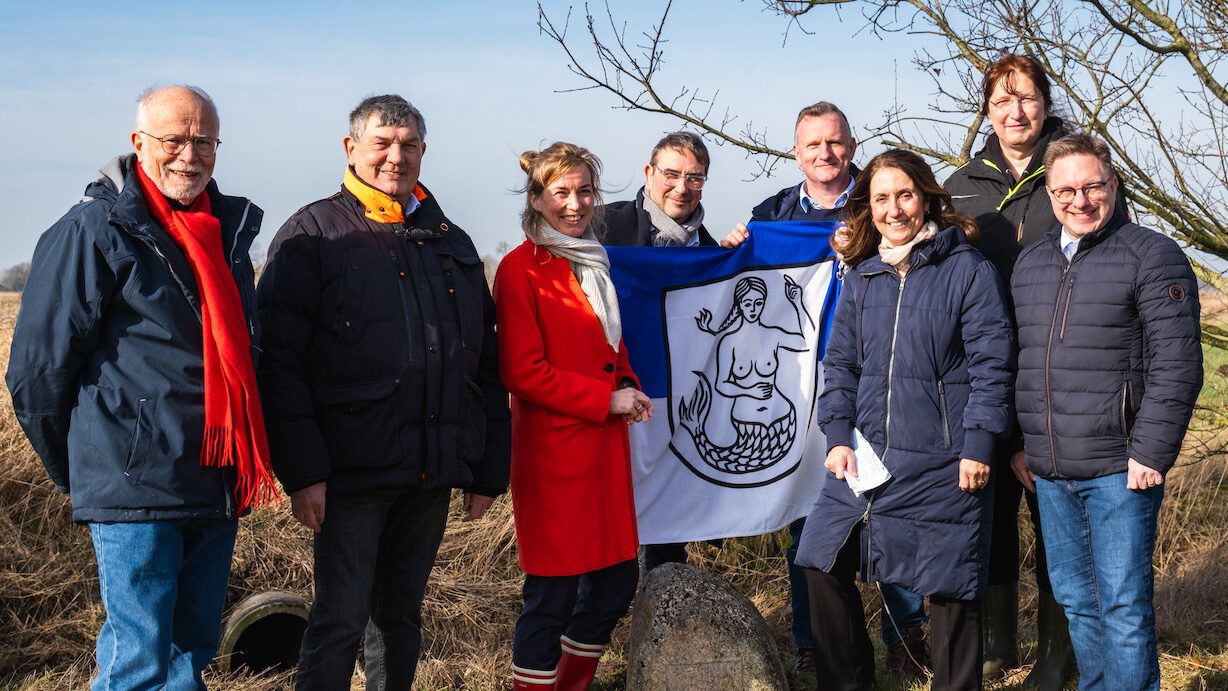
[263, 633]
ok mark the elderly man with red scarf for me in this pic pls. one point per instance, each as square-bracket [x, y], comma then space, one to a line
[132, 374]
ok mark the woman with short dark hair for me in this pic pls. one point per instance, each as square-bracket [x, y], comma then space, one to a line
[1003, 188]
[917, 374]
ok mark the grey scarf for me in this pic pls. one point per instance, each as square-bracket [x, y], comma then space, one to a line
[591, 266]
[670, 233]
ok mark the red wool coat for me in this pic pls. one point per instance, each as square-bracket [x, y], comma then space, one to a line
[571, 464]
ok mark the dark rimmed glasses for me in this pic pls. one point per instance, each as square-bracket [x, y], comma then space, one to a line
[1095, 192]
[694, 181]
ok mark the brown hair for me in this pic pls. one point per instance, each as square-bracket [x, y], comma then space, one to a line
[1080, 144]
[863, 237]
[818, 110]
[683, 141]
[1005, 68]
[548, 165]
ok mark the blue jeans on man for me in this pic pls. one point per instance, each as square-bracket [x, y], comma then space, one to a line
[163, 584]
[373, 556]
[1099, 540]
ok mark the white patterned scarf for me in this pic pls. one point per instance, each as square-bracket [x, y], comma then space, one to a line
[591, 266]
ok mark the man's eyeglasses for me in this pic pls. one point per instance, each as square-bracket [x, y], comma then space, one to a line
[172, 145]
[1095, 192]
[694, 181]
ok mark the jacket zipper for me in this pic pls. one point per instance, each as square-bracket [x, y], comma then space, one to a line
[170, 267]
[234, 247]
[1057, 303]
[865, 521]
[895, 327]
[865, 517]
[942, 402]
[1061, 336]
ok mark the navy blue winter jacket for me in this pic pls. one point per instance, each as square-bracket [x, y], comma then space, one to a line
[786, 205]
[107, 370]
[922, 366]
[1110, 361]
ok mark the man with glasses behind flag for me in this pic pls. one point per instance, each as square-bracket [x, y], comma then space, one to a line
[666, 213]
[132, 375]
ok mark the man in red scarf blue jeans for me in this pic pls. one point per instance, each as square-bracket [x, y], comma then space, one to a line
[132, 374]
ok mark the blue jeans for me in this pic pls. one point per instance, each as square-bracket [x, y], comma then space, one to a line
[902, 610]
[1099, 539]
[163, 585]
[903, 607]
[373, 556]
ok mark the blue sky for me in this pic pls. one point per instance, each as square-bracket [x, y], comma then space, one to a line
[285, 75]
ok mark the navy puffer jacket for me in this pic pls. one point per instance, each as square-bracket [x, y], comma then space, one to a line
[922, 366]
[1110, 362]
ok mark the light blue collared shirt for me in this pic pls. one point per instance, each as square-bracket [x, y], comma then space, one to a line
[1069, 245]
[411, 206]
[807, 203]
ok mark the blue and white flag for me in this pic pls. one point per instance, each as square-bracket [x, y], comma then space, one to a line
[728, 345]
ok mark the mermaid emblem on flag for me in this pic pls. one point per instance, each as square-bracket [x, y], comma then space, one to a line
[739, 425]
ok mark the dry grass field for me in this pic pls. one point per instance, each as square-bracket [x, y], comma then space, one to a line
[49, 609]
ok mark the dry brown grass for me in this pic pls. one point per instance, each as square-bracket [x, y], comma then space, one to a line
[49, 610]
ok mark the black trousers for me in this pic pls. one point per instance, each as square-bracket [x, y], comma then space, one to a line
[372, 560]
[585, 608]
[843, 654]
[1004, 548]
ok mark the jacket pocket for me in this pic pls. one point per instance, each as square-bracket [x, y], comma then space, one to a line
[946, 421]
[466, 280]
[360, 423]
[136, 463]
[1127, 410]
[472, 430]
[348, 310]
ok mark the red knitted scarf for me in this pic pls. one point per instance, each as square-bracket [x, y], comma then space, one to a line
[234, 422]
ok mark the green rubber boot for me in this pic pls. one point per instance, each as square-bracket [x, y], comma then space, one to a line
[999, 629]
[1054, 656]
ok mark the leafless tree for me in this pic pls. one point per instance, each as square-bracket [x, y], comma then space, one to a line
[1144, 75]
[14, 277]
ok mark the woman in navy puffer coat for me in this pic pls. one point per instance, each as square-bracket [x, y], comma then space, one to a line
[920, 362]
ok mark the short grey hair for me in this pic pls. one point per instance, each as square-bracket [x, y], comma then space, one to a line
[393, 111]
[818, 110]
[683, 141]
[1077, 145]
[146, 96]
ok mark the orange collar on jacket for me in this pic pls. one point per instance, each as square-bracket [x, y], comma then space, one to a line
[380, 207]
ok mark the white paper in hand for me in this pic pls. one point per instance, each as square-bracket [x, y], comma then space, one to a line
[871, 472]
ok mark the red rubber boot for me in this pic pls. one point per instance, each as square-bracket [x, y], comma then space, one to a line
[578, 665]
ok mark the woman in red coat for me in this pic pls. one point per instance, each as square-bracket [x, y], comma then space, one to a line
[562, 358]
